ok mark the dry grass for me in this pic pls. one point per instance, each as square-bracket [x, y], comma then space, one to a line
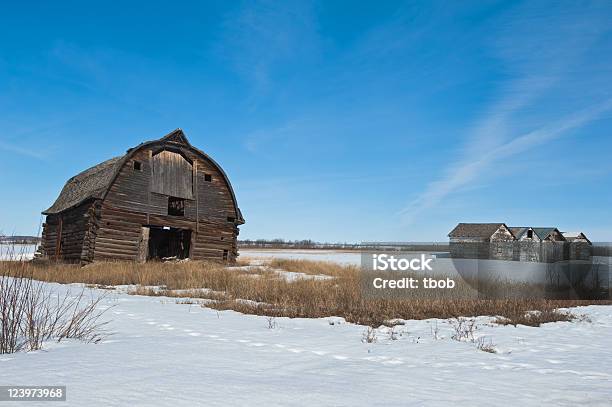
[268, 294]
[537, 317]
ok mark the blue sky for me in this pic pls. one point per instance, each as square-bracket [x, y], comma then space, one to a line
[336, 120]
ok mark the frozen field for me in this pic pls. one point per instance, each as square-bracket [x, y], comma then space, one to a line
[164, 353]
[442, 265]
[336, 256]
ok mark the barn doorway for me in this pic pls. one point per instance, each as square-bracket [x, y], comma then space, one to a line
[167, 242]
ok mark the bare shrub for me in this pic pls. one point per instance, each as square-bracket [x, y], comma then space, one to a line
[369, 335]
[271, 322]
[464, 329]
[30, 314]
[435, 331]
[394, 335]
[486, 345]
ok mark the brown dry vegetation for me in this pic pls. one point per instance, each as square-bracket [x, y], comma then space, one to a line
[269, 294]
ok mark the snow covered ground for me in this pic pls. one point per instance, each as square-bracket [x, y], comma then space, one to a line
[17, 251]
[164, 353]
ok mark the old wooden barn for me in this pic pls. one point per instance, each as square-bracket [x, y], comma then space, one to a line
[162, 199]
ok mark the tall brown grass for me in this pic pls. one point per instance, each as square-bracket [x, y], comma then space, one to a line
[268, 293]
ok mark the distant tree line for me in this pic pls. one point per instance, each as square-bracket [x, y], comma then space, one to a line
[19, 239]
[311, 244]
[293, 244]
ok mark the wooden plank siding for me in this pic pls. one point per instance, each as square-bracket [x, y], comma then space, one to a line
[172, 175]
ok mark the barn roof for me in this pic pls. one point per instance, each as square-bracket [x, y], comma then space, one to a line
[483, 230]
[91, 183]
[543, 233]
[94, 182]
[518, 231]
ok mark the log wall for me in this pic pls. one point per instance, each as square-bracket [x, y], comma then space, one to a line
[69, 236]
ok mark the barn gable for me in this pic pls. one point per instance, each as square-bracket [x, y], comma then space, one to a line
[176, 136]
[576, 237]
[172, 174]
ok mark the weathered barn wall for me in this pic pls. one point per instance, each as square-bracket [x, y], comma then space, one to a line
[528, 249]
[579, 249]
[502, 247]
[469, 248]
[128, 206]
[68, 236]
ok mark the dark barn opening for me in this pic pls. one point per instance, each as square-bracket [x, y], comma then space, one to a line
[165, 242]
[176, 206]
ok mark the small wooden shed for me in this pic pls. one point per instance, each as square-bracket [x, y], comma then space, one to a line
[580, 247]
[162, 199]
[481, 241]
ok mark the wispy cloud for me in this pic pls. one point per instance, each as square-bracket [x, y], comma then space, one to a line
[539, 53]
[468, 170]
[28, 152]
[26, 141]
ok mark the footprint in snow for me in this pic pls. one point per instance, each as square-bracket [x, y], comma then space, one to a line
[393, 362]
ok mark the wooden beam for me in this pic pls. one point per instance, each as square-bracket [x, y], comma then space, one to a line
[58, 242]
[150, 184]
[197, 202]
